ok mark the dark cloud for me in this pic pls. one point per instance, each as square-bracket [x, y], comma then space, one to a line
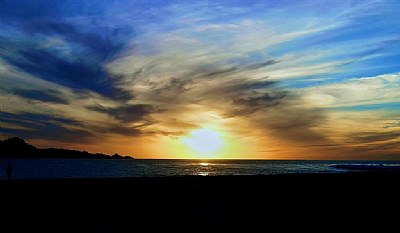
[171, 134]
[248, 97]
[53, 68]
[173, 86]
[217, 72]
[120, 93]
[79, 65]
[127, 112]
[254, 85]
[27, 119]
[259, 65]
[290, 122]
[54, 132]
[212, 71]
[37, 126]
[258, 100]
[51, 96]
[368, 137]
[199, 73]
[248, 105]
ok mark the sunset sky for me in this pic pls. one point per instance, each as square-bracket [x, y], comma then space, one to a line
[203, 79]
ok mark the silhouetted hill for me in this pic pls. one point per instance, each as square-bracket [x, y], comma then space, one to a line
[17, 148]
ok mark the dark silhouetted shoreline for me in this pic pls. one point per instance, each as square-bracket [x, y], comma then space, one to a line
[322, 202]
[17, 148]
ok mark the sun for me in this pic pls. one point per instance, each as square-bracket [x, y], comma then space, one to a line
[205, 142]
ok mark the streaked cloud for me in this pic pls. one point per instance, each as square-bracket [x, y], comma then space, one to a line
[127, 113]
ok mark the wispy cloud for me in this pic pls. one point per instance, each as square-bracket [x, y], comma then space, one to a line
[46, 127]
[127, 113]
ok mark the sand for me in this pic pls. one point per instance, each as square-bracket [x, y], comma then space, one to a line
[322, 202]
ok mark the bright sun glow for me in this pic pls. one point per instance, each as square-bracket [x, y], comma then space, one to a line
[204, 142]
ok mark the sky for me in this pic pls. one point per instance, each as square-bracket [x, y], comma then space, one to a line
[203, 79]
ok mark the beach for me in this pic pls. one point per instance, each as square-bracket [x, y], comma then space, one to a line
[353, 200]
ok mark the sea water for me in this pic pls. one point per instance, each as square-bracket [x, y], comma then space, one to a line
[107, 168]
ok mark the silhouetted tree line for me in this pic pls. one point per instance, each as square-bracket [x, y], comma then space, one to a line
[17, 148]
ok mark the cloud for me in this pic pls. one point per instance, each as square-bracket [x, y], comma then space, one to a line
[127, 113]
[63, 53]
[56, 128]
[392, 123]
[256, 101]
[259, 65]
[367, 137]
[289, 122]
[245, 86]
[216, 27]
[120, 130]
[173, 86]
[353, 92]
[211, 71]
[46, 96]
[36, 126]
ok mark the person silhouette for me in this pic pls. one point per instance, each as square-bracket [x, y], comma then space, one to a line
[9, 171]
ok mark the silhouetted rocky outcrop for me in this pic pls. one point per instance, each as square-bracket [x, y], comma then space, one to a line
[17, 148]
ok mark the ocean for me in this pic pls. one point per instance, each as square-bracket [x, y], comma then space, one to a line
[114, 168]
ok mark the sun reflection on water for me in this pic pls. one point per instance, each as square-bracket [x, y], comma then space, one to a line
[203, 173]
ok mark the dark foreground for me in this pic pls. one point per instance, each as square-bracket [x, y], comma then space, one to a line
[322, 202]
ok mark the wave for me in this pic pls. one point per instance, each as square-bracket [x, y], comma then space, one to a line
[368, 167]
